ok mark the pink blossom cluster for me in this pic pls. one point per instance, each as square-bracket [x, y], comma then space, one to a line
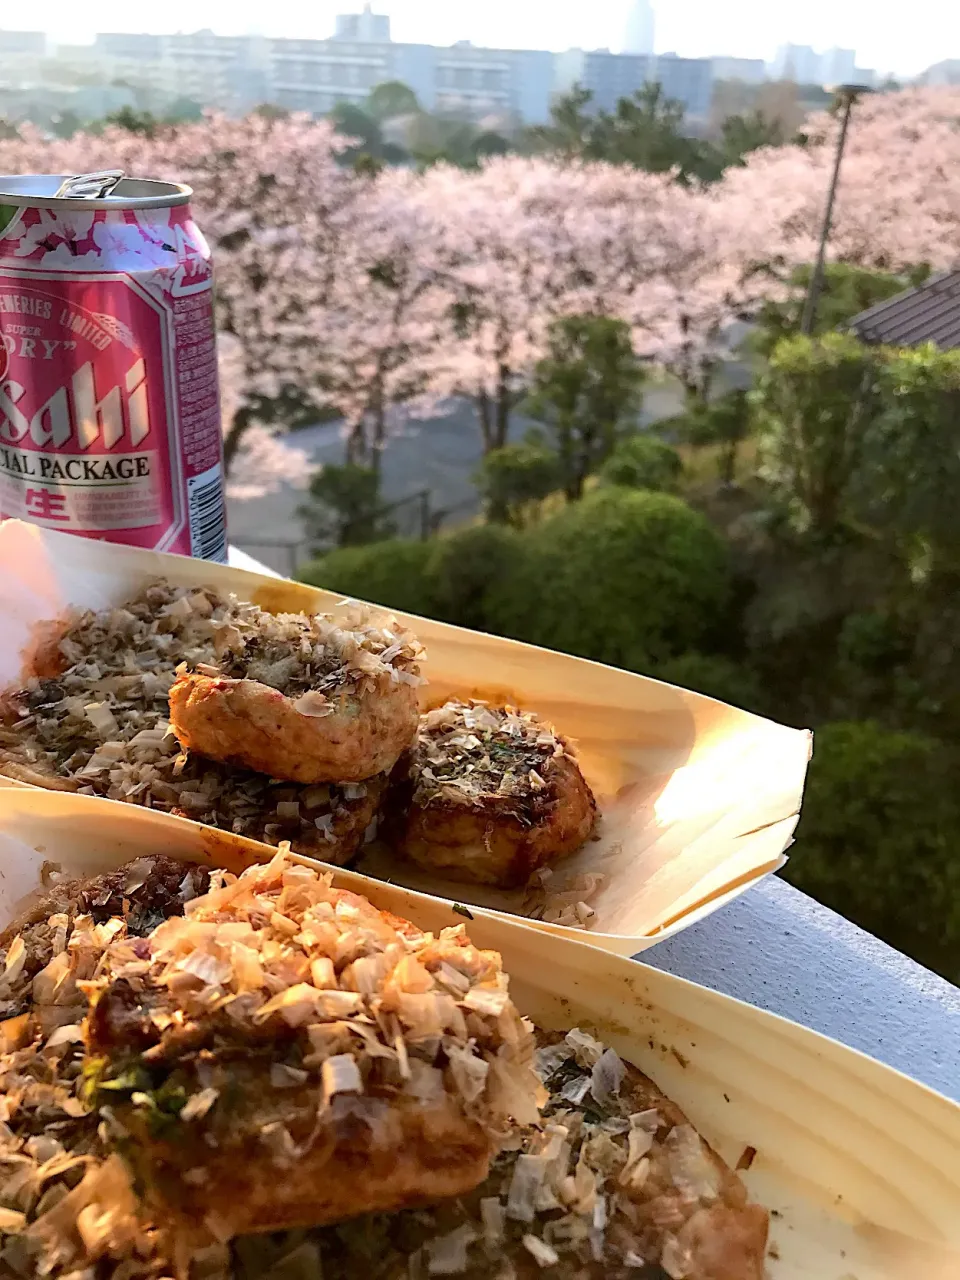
[374, 294]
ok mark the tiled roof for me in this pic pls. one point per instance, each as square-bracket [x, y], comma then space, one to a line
[929, 313]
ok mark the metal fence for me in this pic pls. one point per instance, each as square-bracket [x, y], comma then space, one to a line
[415, 516]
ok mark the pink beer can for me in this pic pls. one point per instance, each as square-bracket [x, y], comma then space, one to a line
[109, 397]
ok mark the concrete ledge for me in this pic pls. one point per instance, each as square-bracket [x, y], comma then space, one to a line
[778, 949]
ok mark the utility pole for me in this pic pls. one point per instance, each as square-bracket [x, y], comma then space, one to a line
[846, 95]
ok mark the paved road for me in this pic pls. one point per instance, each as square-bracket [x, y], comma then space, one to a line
[438, 454]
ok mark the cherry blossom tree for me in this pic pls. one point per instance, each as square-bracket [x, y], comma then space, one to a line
[381, 312]
[523, 242]
[263, 462]
[898, 199]
[272, 200]
[371, 296]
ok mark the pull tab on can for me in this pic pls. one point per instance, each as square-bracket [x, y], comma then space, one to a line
[89, 186]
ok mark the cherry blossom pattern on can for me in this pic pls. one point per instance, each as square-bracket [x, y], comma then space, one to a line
[109, 405]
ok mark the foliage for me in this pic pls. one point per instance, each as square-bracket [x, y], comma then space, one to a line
[439, 139]
[642, 461]
[368, 149]
[514, 478]
[147, 124]
[866, 435]
[586, 391]
[716, 676]
[724, 422]
[270, 111]
[391, 573]
[182, 110]
[390, 99]
[912, 482]
[344, 508]
[569, 135]
[645, 130]
[623, 576]
[846, 291]
[463, 568]
[780, 101]
[741, 134]
[133, 121]
[816, 407]
[878, 838]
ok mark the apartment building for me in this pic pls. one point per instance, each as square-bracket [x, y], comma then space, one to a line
[313, 75]
[235, 73]
[611, 76]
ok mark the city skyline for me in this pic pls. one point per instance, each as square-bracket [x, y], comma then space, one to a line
[692, 28]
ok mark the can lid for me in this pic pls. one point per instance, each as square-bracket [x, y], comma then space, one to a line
[96, 186]
[108, 189]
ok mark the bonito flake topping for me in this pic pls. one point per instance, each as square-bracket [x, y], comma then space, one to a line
[95, 719]
[608, 1182]
[284, 1054]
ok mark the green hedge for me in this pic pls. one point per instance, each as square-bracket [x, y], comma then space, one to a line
[463, 567]
[447, 578]
[624, 576]
[642, 461]
[392, 573]
[879, 838]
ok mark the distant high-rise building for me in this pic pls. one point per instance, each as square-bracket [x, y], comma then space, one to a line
[314, 75]
[803, 65]
[747, 70]
[611, 76]
[688, 80]
[838, 66]
[947, 72]
[797, 62]
[217, 71]
[363, 28]
[20, 43]
[638, 37]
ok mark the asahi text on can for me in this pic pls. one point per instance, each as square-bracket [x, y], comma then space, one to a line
[109, 402]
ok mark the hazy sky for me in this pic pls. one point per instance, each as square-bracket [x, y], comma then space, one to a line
[901, 35]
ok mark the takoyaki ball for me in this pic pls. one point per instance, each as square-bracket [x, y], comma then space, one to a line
[303, 699]
[489, 794]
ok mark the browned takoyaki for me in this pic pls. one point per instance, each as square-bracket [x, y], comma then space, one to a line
[286, 1054]
[304, 699]
[489, 794]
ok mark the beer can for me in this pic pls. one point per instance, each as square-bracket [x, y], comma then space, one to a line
[109, 398]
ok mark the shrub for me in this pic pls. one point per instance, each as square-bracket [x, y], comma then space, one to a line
[642, 462]
[623, 576]
[585, 390]
[912, 473]
[716, 676]
[815, 408]
[344, 507]
[514, 477]
[724, 423]
[392, 573]
[463, 567]
[879, 835]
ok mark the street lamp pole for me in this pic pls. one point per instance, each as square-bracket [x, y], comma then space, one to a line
[847, 94]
